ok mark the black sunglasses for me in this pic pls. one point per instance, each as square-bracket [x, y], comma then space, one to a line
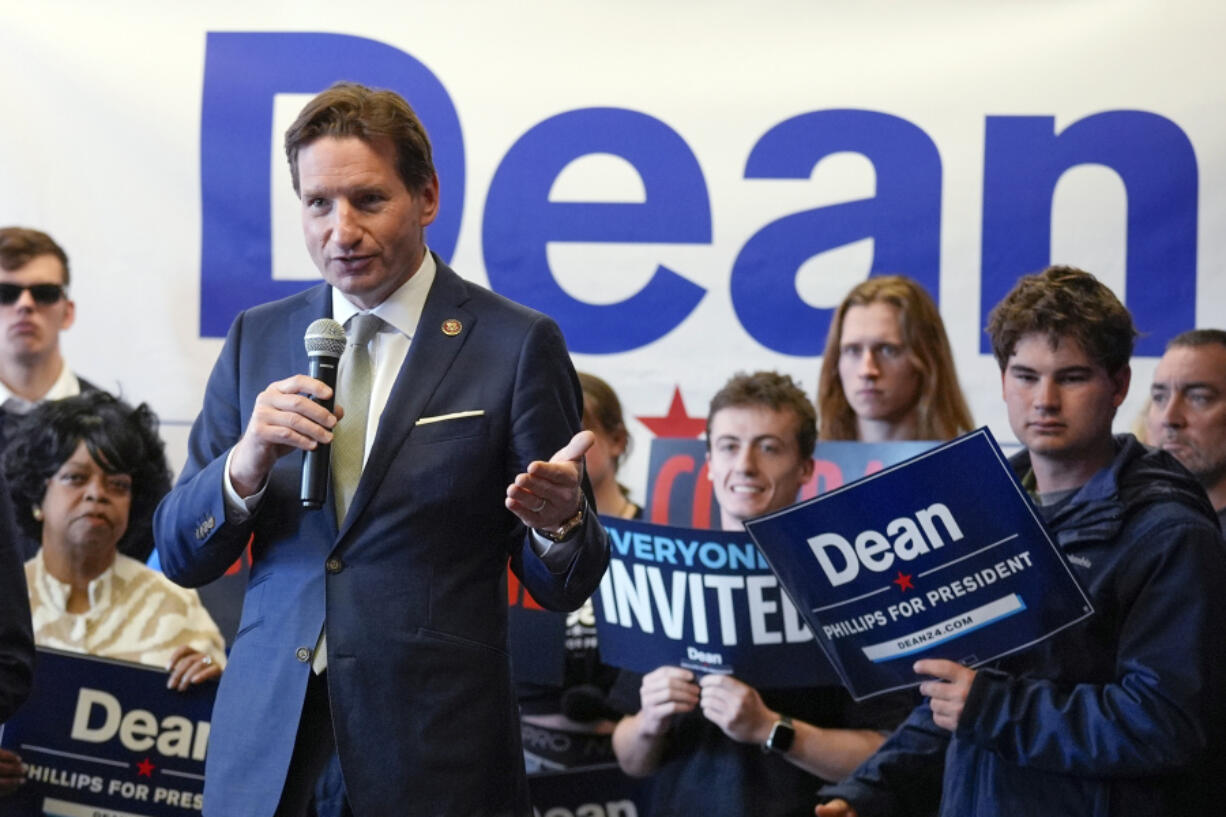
[43, 294]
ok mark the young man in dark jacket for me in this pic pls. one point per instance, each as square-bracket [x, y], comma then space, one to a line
[1122, 714]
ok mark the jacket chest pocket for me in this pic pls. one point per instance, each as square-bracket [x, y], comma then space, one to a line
[460, 425]
[455, 456]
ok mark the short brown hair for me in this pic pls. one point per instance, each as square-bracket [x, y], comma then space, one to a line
[778, 392]
[1064, 302]
[1195, 338]
[21, 245]
[350, 109]
[941, 408]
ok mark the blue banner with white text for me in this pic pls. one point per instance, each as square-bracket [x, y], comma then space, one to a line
[705, 600]
[942, 556]
[103, 738]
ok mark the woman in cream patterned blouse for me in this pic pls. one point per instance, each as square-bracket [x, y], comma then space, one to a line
[84, 473]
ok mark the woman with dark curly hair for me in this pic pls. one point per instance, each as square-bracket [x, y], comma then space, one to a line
[85, 475]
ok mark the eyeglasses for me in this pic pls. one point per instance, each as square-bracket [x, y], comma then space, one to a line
[43, 294]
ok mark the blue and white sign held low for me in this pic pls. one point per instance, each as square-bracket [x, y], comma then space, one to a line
[941, 556]
[104, 738]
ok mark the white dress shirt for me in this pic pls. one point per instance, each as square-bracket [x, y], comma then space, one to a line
[66, 385]
[401, 312]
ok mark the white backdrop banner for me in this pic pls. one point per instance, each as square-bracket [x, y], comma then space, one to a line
[688, 188]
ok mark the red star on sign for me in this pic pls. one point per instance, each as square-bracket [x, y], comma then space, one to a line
[677, 423]
[904, 582]
[144, 768]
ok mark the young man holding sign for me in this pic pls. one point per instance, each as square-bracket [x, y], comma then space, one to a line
[1123, 713]
[714, 744]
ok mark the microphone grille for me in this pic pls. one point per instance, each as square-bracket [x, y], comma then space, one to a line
[325, 337]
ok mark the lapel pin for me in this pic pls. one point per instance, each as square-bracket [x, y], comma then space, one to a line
[452, 327]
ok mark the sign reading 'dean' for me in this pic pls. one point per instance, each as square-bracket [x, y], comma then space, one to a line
[705, 600]
[103, 738]
[941, 556]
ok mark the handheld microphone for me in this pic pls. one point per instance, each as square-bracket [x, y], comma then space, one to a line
[325, 343]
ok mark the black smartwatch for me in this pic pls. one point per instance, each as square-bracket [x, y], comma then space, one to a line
[781, 736]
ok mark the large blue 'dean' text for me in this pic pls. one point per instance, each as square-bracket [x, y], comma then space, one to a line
[1025, 158]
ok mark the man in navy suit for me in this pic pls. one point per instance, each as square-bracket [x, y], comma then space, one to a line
[369, 675]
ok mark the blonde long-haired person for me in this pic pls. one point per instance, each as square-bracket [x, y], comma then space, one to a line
[602, 415]
[888, 373]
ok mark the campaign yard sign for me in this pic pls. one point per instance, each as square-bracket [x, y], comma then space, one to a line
[701, 599]
[941, 556]
[104, 738]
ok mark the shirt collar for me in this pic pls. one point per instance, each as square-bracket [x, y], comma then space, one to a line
[402, 309]
[66, 385]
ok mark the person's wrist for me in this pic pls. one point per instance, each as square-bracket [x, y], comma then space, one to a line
[246, 478]
[569, 526]
[653, 728]
[763, 731]
[781, 736]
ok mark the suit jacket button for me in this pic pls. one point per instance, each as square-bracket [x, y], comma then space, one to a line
[333, 565]
[303, 654]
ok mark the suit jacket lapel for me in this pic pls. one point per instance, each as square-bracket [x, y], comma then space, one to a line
[317, 304]
[430, 357]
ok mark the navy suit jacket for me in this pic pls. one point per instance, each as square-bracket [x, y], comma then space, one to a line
[16, 636]
[412, 583]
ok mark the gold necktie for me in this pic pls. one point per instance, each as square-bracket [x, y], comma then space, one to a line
[349, 436]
